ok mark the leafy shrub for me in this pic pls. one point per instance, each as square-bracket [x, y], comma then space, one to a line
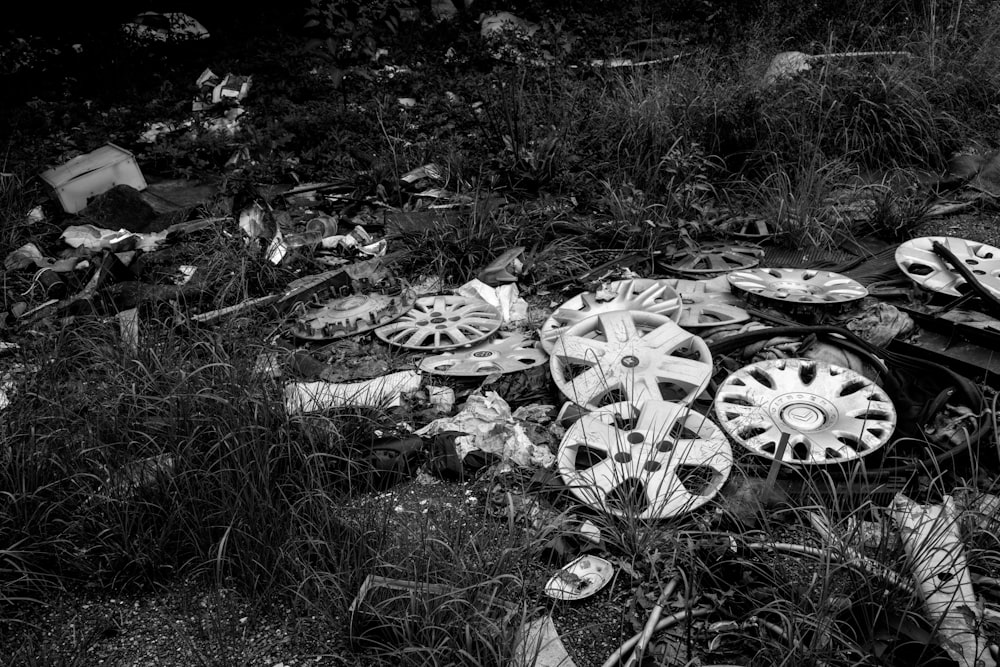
[350, 28]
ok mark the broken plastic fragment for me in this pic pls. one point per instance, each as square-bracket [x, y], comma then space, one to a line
[538, 645]
[580, 579]
[25, 256]
[506, 298]
[91, 174]
[95, 238]
[936, 555]
[213, 90]
[442, 398]
[153, 131]
[252, 222]
[505, 268]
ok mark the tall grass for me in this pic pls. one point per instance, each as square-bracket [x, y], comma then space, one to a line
[232, 486]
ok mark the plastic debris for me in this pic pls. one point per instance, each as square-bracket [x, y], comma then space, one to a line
[253, 222]
[25, 256]
[153, 131]
[92, 174]
[442, 398]
[933, 543]
[879, 323]
[538, 645]
[36, 215]
[580, 579]
[505, 268]
[95, 238]
[491, 428]
[214, 90]
[506, 298]
[380, 392]
[787, 64]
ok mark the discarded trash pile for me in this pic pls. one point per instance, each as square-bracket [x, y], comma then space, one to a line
[805, 379]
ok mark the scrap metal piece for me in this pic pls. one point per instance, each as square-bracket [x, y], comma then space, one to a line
[351, 315]
[652, 296]
[629, 355]
[508, 352]
[651, 461]
[798, 286]
[442, 322]
[714, 258]
[917, 259]
[831, 414]
[933, 543]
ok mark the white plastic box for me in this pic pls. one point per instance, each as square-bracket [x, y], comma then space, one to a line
[92, 174]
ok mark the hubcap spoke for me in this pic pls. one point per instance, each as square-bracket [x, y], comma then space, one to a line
[591, 383]
[577, 349]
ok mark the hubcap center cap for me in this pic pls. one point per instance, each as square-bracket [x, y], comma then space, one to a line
[350, 303]
[803, 417]
[630, 361]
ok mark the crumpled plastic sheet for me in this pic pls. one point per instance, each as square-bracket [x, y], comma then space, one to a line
[491, 428]
[96, 238]
[879, 323]
[506, 298]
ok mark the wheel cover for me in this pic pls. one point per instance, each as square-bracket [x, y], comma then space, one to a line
[752, 228]
[349, 315]
[629, 355]
[442, 322]
[507, 352]
[715, 258]
[653, 296]
[652, 461]
[917, 260]
[799, 286]
[832, 414]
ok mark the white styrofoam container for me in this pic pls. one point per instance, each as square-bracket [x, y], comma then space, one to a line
[91, 174]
